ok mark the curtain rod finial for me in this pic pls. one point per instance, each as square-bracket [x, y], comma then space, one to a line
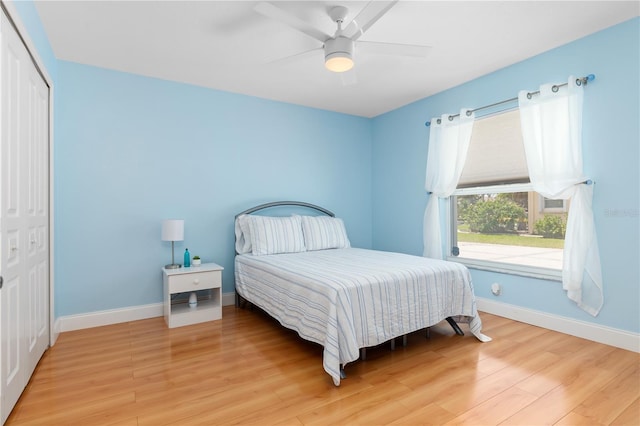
[585, 80]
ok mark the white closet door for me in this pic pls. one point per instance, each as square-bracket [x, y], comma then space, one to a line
[36, 188]
[12, 308]
[24, 207]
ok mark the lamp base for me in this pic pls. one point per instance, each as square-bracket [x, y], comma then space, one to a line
[173, 266]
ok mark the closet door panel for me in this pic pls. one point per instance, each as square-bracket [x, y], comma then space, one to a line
[36, 214]
[11, 317]
[36, 326]
[24, 216]
[13, 348]
[11, 129]
[42, 157]
[13, 310]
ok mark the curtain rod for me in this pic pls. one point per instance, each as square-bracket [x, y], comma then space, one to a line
[579, 81]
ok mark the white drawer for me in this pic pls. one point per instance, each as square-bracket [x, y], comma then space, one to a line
[196, 281]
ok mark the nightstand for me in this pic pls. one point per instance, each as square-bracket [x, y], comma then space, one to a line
[207, 276]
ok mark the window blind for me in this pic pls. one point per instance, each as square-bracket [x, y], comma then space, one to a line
[496, 152]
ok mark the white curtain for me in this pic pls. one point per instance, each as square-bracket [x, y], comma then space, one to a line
[448, 146]
[552, 134]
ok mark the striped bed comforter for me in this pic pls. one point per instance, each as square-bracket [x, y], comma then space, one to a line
[347, 299]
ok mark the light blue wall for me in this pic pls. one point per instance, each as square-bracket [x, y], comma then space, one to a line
[131, 151]
[611, 156]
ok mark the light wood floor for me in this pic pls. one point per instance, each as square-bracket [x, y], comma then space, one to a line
[246, 369]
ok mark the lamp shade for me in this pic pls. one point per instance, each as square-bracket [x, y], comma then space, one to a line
[173, 230]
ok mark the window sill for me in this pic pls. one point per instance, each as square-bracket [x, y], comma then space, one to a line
[511, 269]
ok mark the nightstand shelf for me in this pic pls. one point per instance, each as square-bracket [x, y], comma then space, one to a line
[206, 278]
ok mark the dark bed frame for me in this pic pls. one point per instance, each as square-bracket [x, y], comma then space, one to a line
[286, 204]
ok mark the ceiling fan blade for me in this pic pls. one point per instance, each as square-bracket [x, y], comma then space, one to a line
[296, 57]
[273, 12]
[394, 49]
[368, 16]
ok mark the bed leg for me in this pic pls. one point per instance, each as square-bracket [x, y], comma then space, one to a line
[241, 302]
[455, 326]
[404, 340]
[363, 354]
[428, 333]
[343, 375]
[393, 344]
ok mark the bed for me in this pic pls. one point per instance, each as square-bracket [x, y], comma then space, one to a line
[302, 271]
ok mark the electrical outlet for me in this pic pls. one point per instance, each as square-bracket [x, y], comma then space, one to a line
[496, 289]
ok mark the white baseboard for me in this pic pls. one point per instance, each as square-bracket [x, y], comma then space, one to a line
[115, 316]
[586, 330]
[110, 316]
[55, 332]
[229, 299]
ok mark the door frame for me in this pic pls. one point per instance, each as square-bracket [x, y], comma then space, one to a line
[14, 16]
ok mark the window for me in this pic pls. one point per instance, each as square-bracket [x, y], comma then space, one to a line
[552, 206]
[497, 221]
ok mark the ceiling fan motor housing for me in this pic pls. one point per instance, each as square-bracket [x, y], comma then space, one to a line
[338, 54]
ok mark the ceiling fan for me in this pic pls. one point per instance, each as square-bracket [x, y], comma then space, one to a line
[339, 48]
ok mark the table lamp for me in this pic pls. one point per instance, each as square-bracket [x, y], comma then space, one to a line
[172, 230]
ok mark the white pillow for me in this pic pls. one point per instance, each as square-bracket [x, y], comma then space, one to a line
[273, 235]
[324, 232]
[243, 234]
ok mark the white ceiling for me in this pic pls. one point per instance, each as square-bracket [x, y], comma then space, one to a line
[226, 45]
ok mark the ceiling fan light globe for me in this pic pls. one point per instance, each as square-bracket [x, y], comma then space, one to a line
[338, 62]
[338, 54]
